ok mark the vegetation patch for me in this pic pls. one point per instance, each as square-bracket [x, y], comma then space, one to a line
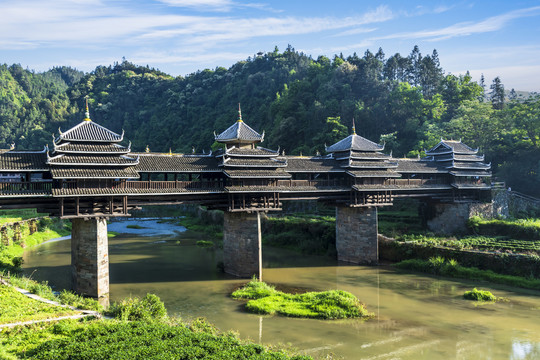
[205, 244]
[135, 226]
[333, 304]
[526, 229]
[479, 295]
[141, 331]
[16, 307]
[451, 268]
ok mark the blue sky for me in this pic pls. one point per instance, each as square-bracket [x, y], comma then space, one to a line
[496, 38]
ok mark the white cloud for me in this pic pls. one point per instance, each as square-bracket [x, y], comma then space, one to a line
[490, 24]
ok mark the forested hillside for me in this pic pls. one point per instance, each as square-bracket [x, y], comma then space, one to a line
[301, 103]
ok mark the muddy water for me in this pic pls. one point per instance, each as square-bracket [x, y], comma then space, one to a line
[417, 317]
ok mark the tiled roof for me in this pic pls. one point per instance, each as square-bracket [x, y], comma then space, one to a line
[93, 173]
[90, 148]
[362, 174]
[273, 174]
[457, 147]
[91, 132]
[107, 160]
[370, 164]
[23, 161]
[314, 164]
[470, 173]
[419, 166]
[251, 152]
[361, 155]
[450, 157]
[268, 163]
[468, 165]
[239, 132]
[354, 142]
[176, 163]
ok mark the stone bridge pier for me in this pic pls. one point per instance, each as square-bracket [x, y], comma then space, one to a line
[90, 257]
[242, 248]
[356, 235]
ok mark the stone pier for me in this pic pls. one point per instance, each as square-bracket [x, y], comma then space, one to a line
[90, 257]
[242, 244]
[451, 218]
[356, 235]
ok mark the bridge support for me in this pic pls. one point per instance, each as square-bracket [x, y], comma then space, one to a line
[242, 247]
[90, 257]
[356, 235]
[451, 218]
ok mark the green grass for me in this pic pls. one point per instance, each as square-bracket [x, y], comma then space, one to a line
[451, 268]
[525, 229]
[483, 243]
[112, 234]
[205, 243]
[333, 304]
[151, 336]
[479, 295]
[10, 216]
[16, 307]
[135, 226]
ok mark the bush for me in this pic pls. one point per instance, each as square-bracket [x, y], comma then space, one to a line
[479, 295]
[149, 308]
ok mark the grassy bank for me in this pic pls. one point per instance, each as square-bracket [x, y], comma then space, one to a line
[451, 268]
[334, 304]
[141, 329]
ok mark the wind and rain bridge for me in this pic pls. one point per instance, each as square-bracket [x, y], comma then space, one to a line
[90, 174]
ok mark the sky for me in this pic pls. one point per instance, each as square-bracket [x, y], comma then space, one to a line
[179, 37]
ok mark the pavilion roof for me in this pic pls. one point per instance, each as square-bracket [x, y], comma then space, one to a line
[81, 148]
[89, 131]
[89, 160]
[354, 142]
[94, 173]
[451, 146]
[239, 132]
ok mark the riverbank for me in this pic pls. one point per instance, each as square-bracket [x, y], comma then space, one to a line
[39, 330]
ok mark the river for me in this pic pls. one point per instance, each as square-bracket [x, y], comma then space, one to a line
[417, 316]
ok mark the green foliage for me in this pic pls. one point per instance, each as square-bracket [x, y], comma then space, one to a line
[453, 269]
[526, 229]
[145, 340]
[17, 307]
[479, 295]
[149, 308]
[205, 243]
[334, 304]
[308, 233]
[135, 226]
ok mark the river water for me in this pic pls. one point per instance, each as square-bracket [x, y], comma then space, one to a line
[417, 316]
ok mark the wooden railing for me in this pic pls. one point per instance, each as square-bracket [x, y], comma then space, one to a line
[157, 185]
[316, 183]
[415, 182]
[26, 187]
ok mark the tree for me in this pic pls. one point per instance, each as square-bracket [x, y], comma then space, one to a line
[497, 94]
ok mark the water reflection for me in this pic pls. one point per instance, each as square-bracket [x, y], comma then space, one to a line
[418, 317]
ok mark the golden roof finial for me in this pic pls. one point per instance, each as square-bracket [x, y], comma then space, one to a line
[147, 149]
[353, 127]
[87, 113]
[239, 113]
[170, 151]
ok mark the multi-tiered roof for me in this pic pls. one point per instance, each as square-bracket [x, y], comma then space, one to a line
[242, 159]
[362, 158]
[459, 159]
[91, 151]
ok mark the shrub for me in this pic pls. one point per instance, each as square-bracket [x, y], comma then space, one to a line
[479, 295]
[149, 308]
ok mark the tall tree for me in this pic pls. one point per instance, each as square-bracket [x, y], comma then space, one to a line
[497, 94]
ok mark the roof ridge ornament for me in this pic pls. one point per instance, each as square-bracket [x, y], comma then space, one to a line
[87, 113]
[353, 127]
[239, 114]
